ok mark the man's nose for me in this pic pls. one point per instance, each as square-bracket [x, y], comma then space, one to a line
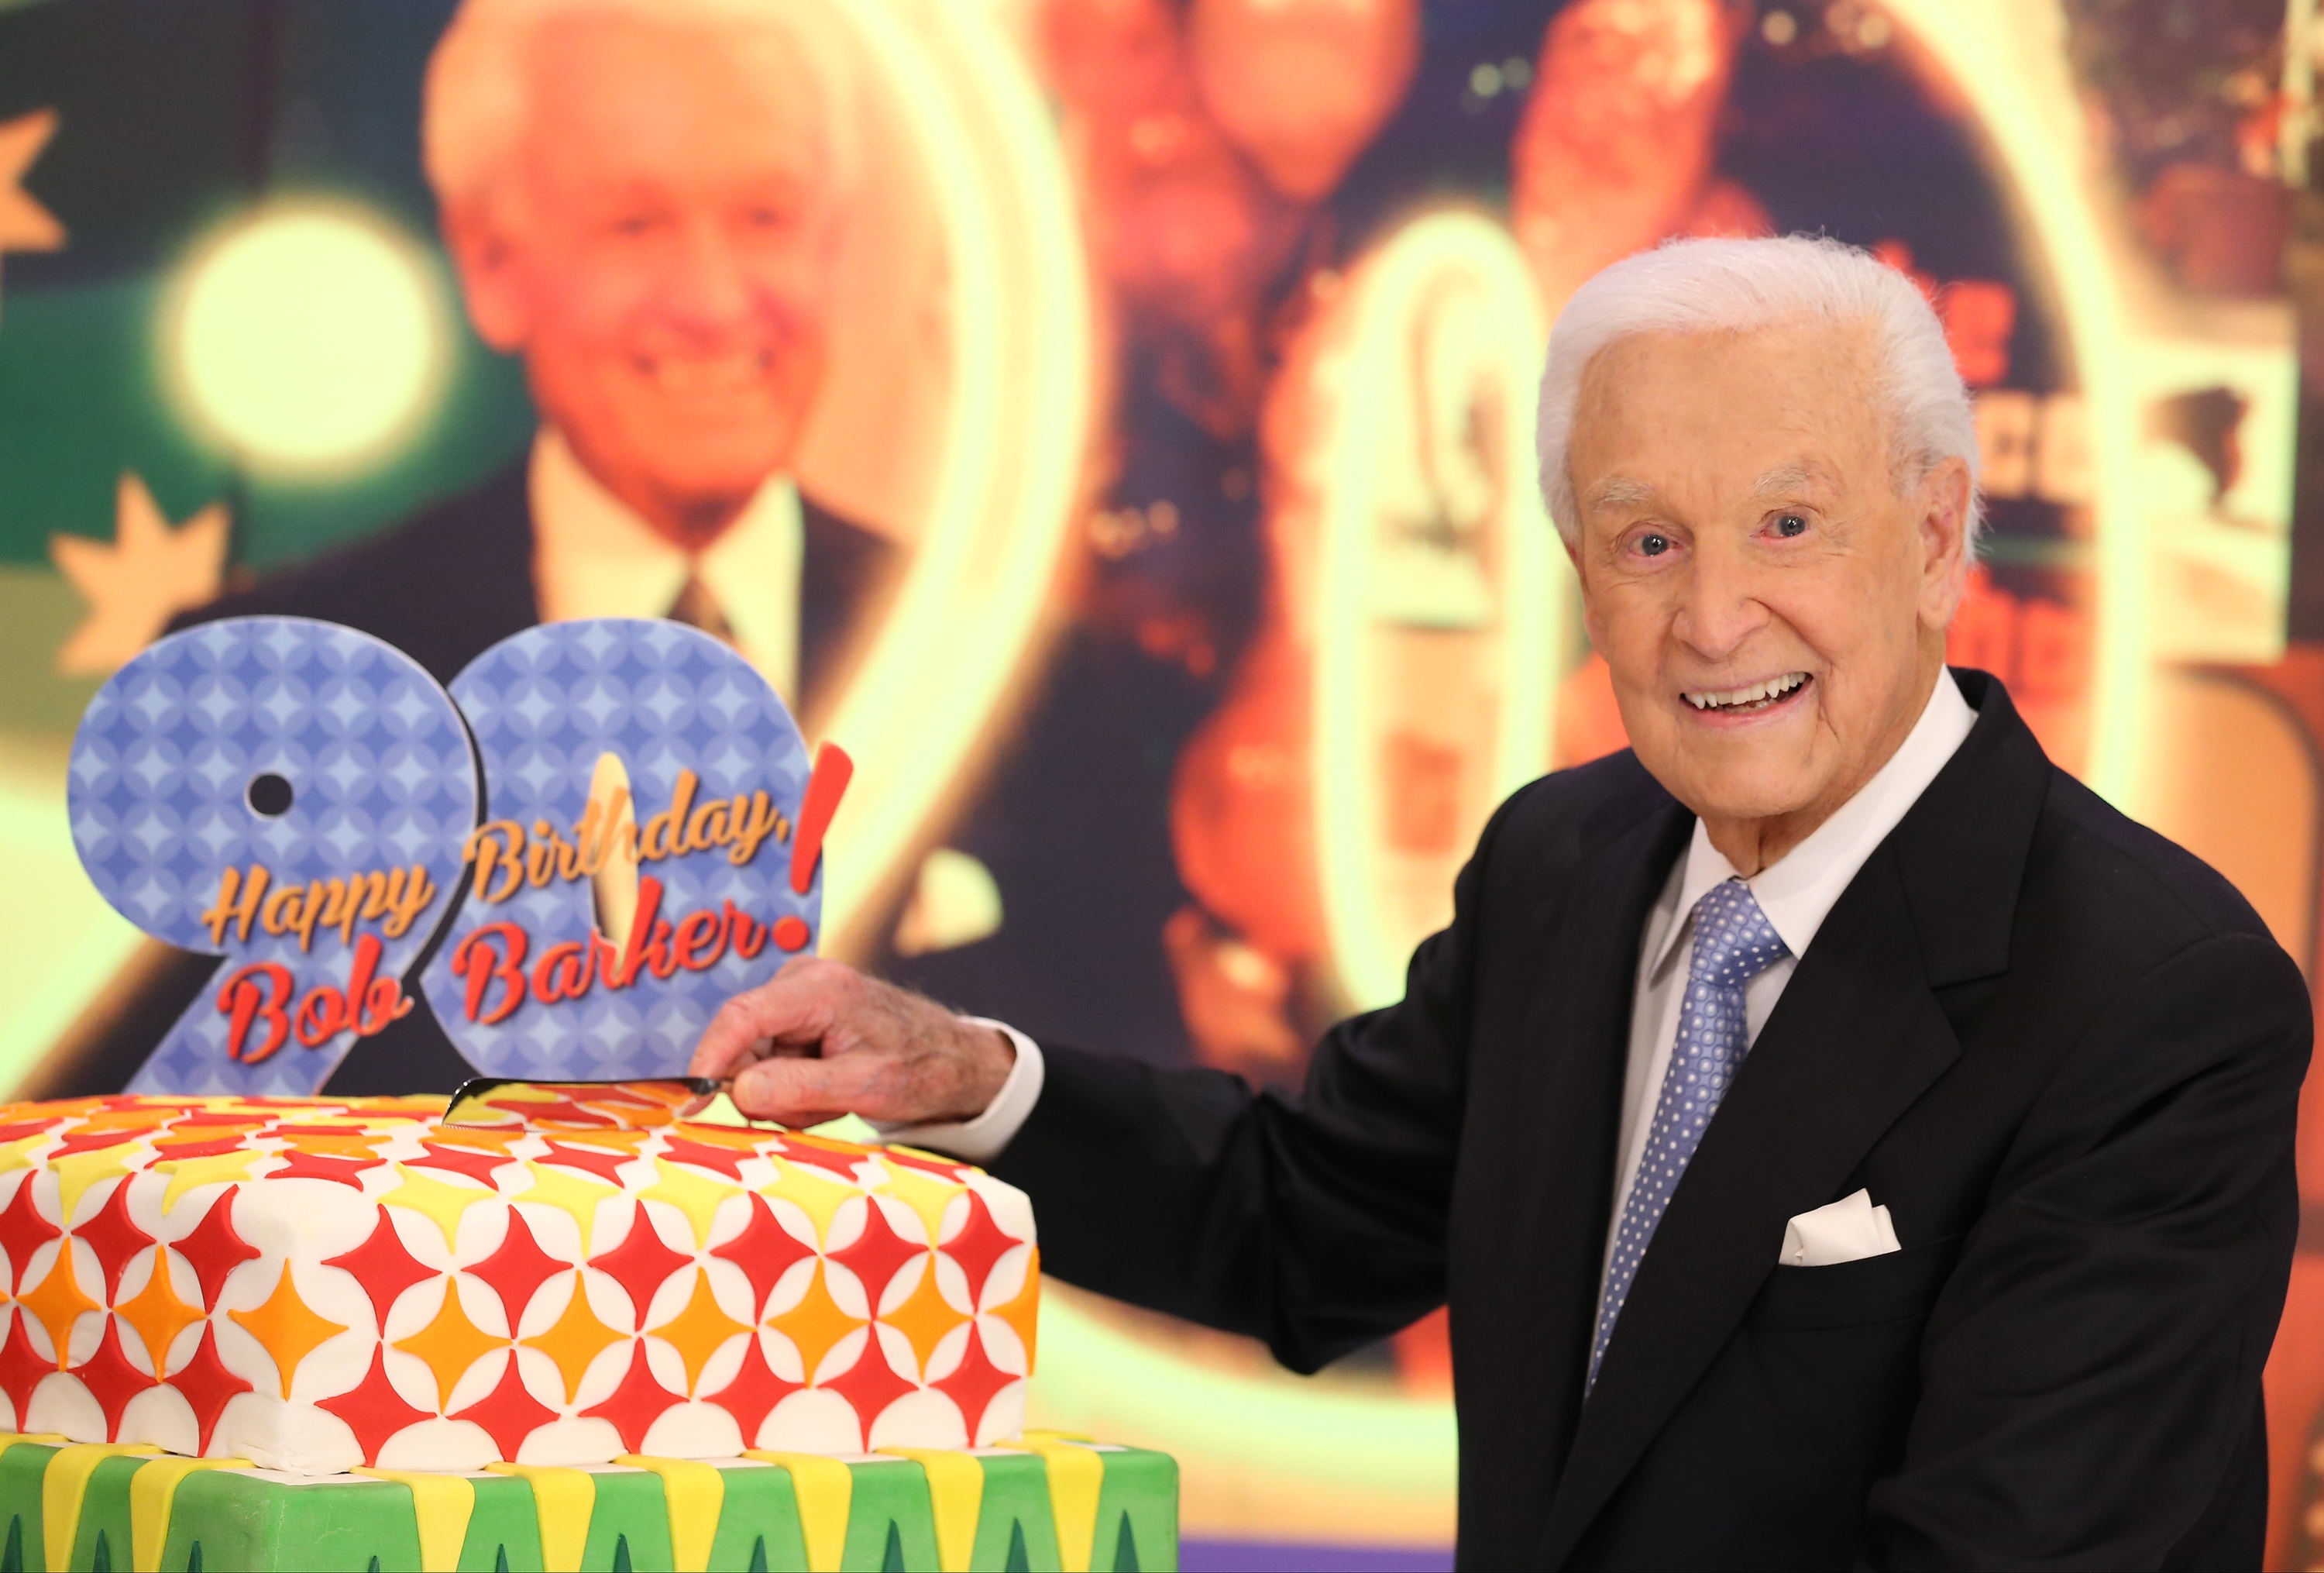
[1718, 604]
[710, 289]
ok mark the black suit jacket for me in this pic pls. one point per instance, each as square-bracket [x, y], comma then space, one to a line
[2060, 1050]
[442, 588]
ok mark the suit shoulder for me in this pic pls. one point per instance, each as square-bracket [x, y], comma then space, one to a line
[2099, 854]
[1594, 802]
[441, 586]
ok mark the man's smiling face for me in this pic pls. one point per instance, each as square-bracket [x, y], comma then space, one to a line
[660, 250]
[1770, 601]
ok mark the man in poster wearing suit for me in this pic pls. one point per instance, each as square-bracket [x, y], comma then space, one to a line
[1840, 1137]
[643, 201]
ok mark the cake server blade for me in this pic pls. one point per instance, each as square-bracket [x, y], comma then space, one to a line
[642, 1105]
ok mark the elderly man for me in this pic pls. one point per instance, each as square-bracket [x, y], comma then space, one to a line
[643, 199]
[1842, 1138]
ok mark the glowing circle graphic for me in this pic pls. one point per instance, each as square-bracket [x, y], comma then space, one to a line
[307, 337]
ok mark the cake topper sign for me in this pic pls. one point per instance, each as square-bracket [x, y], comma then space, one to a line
[598, 834]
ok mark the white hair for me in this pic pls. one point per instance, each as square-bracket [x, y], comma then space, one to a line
[478, 89]
[1741, 286]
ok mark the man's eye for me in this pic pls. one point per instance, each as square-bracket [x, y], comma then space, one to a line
[1652, 545]
[1787, 525]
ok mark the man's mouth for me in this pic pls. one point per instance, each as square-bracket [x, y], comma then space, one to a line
[1749, 700]
[708, 374]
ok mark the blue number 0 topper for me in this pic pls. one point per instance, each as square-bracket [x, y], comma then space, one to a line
[646, 799]
[293, 796]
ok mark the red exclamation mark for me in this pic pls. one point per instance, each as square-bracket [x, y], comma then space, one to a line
[825, 788]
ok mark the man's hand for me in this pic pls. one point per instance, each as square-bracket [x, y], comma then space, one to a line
[822, 1041]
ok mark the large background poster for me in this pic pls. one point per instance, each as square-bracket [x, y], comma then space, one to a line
[1110, 420]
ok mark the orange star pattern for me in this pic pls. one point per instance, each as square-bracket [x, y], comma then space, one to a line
[285, 1328]
[575, 1340]
[698, 1331]
[449, 1345]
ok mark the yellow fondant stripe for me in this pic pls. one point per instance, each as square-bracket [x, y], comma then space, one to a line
[693, 1493]
[823, 1487]
[1076, 1475]
[150, 1490]
[956, 1497]
[63, 1486]
[443, 1504]
[563, 1499]
[47, 1439]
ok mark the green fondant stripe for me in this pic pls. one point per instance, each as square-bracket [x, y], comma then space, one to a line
[889, 1523]
[1137, 1514]
[630, 1519]
[21, 1469]
[504, 1529]
[102, 1535]
[1015, 1528]
[758, 1524]
[228, 1519]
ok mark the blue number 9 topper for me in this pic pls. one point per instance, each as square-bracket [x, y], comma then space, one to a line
[634, 869]
[291, 795]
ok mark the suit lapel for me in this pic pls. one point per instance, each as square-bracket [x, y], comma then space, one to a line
[1857, 1038]
[1556, 1114]
[845, 573]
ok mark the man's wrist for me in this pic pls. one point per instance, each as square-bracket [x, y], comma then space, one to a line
[982, 1138]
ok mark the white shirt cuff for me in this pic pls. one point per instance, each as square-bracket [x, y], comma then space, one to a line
[983, 1138]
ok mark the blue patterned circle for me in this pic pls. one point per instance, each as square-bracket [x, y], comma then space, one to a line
[664, 698]
[380, 777]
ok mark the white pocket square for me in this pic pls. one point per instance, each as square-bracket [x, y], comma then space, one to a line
[1847, 1230]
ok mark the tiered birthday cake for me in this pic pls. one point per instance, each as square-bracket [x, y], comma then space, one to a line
[558, 1324]
[314, 1286]
[296, 1289]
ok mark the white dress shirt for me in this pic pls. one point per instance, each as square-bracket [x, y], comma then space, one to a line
[1795, 891]
[594, 557]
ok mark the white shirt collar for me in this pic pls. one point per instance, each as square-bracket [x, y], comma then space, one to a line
[1798, 889]
[594, 557]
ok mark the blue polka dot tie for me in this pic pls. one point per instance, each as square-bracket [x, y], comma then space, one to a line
[1733, 944]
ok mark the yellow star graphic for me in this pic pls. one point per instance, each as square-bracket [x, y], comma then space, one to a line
[813, 1192]
[924, 1193]
[133, 586]
[575, 1197]
[193, 1173]
[440, 1204]
[77, 1173]
[25, 224]
[690, 1194]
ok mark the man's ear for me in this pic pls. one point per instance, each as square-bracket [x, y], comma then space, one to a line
[1944, 503]
[499, 305]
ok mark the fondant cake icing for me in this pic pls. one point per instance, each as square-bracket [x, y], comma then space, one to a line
[1043, 1503]
[314, 1286]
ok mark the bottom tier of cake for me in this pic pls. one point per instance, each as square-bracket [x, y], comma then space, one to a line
[1045, 1503]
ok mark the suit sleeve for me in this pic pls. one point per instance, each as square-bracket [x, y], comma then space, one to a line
[1317, 1224]
[2092, 1368]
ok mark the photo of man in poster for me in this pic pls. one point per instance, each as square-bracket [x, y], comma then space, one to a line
[644, 203]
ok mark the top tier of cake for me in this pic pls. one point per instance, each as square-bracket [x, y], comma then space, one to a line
[313, 1285]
